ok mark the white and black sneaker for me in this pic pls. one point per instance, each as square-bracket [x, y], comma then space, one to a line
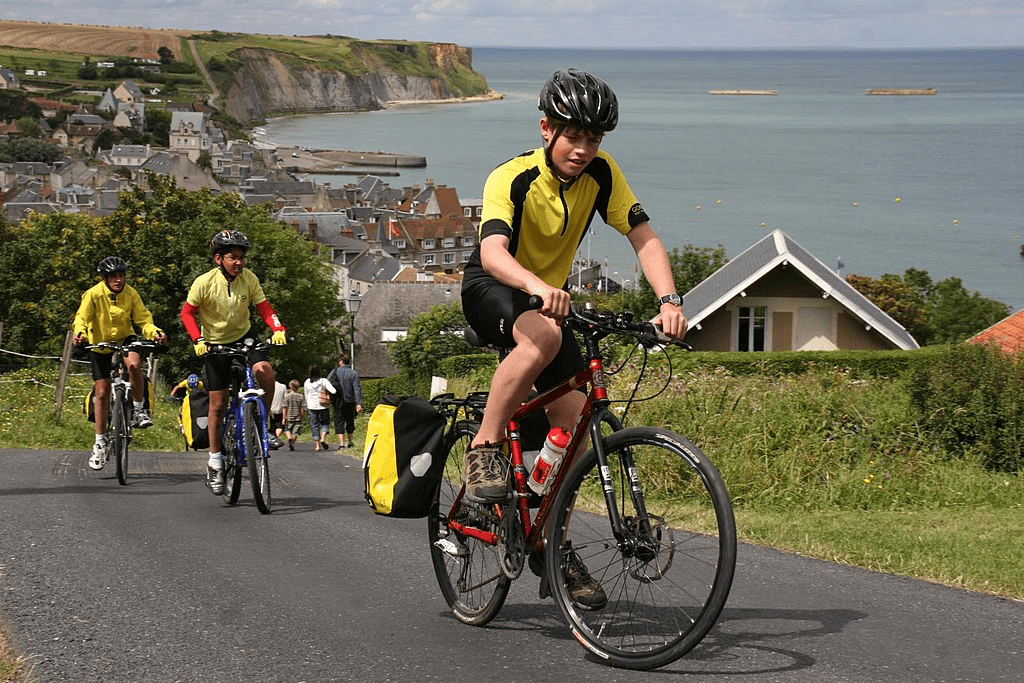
[99, 456]
[142, 420]
[215, 481]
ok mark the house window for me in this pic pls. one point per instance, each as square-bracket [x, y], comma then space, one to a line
[428, 260]
[467, 240]
[751, 328]
[448, 258]
[467, 211]
[398, 244]
[466, 255]
[429, 243]
[393, 334]
[448, 242]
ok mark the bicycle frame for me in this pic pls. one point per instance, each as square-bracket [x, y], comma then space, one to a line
[244, 389]
[595, 411]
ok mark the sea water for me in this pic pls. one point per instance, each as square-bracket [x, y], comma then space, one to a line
[876, 184]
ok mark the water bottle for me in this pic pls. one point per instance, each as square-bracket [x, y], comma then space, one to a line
[549, 459]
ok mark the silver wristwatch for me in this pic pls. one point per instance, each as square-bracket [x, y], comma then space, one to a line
[672, 298]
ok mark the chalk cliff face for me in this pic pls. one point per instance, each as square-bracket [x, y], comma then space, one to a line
[266, 83]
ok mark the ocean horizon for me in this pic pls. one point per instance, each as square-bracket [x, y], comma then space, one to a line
[878, 183]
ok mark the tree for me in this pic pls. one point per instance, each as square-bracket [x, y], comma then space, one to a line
[433, 336]
[932, 312]
[690, 267]
[166, 56]
[46, 262]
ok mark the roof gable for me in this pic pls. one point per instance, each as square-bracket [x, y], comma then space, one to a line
[1007, 334]
[776, 249]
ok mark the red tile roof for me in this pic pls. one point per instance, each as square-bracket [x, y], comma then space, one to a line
[1007, 334]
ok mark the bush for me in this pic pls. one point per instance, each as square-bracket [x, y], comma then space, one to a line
[971, 402]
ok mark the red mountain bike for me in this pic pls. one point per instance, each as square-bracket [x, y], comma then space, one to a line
[643, 509]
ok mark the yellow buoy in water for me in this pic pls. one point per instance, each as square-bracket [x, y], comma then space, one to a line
[956, 222]
[897, 200]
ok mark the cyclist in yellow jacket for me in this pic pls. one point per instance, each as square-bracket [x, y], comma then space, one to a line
[110, 312]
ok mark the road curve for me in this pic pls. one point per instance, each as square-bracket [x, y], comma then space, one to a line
[160, 581]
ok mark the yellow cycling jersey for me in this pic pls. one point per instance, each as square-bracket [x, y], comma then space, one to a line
[107, 317]
[224, 306]
[546, 219]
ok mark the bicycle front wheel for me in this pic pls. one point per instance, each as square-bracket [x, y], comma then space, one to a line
[648, 597]
[232, 470]
[468, 569]
[256, 454]
[119, 416]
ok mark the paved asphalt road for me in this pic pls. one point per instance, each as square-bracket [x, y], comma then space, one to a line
[160, 581]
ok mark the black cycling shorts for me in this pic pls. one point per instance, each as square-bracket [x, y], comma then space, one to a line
[102, 362]
[492, 308]
[217, 369]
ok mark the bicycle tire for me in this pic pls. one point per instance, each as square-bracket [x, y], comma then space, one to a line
[469, 572]
[665, 585]
[119, 411]
[256, 454]
[232, 469]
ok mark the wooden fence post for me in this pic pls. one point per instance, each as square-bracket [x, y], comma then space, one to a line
[62, 375]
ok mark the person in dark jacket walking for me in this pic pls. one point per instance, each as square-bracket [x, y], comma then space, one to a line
[348, 400]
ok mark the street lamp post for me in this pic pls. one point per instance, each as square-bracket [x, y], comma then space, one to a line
[352, 302]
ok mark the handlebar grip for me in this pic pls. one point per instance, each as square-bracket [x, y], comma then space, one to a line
[535, 303]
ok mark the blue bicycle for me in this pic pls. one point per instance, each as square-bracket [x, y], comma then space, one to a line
[244, 437]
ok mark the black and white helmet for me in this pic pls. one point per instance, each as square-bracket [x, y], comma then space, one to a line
[226, 240]
[576, 98]
[111, 265]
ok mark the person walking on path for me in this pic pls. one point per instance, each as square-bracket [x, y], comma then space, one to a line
[293, 408]
[347, 401]
[315, 388]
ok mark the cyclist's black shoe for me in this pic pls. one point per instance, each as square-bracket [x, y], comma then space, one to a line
[484, 473]
[275, 442]
[215, 481]
[584, 590]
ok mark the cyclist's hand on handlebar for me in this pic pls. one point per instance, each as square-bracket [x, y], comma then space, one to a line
[671, 322]
[554, 302]
[200, 347]
[278, 338]
[160, 337]
[79, 339]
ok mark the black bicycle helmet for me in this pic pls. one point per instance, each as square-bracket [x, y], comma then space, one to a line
[111, 265]
[226, 240]
[573, 97]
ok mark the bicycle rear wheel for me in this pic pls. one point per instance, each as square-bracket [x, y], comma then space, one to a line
[232, 470]
[468, 570]
[119, 416]
[667, 580]
[256, 454]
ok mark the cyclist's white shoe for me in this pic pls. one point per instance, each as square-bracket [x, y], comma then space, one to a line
[215, 481]
[142, 420]
[99, 456]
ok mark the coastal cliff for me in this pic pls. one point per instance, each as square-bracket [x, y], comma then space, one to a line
[266, 82]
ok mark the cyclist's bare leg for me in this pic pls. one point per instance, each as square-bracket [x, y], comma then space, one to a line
[538, 339]
[218, 406]
[265, 377]
[133, 361]
[101, 409]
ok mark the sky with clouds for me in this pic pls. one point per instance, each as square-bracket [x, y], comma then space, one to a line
[574, 23]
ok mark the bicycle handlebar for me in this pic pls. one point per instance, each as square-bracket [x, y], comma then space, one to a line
[591, 321]
[147, 345]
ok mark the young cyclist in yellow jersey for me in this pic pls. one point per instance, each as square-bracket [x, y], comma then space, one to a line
[109, 312]
[537, 208]
[217, 312]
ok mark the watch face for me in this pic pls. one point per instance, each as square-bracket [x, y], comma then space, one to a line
[672, 299]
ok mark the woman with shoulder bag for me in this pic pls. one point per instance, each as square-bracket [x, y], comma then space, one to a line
[318, 397]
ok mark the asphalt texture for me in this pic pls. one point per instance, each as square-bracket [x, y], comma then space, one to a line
[162, 581]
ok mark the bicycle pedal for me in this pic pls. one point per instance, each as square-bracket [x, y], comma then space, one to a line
[449, 548]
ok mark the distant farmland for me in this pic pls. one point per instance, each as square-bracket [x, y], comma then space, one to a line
[113, 41]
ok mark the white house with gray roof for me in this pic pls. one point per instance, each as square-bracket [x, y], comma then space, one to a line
[776, 296]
